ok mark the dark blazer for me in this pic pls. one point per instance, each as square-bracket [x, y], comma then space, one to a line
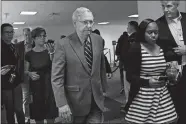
[123, 39]
[168, 43]
[72, 82]
[133, 64]
[21, 52]
[124, 43]
[8, 58]
[167, 40]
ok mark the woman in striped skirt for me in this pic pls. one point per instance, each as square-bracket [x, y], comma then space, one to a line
[149, 99]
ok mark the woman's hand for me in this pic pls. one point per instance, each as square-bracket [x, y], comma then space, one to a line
[50, 47]
[33, 75]
[155, 83]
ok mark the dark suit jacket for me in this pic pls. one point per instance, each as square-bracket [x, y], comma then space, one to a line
[21, 51]
[124, 43]
[8, 58]
[168, 43]
[121, 43]
[72, 82]
[167, 40]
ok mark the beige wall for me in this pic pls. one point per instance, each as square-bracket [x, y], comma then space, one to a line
[152, 9]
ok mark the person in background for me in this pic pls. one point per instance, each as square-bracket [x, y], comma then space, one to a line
[119, 52]
[10, 78]
[62, 36]
[78, 72]
[107, 65]
[149, 99]
[38, 63]
[172, 33]
[23, 47]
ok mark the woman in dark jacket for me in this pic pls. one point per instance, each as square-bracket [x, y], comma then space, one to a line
[149, 99]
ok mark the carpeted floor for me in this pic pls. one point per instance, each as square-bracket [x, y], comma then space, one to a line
[113, 101]
[114, 109]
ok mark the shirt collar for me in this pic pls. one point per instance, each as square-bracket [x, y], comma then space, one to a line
[176, 19]
[83, 41]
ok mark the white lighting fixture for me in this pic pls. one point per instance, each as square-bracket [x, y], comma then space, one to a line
[134, 16]
[19, 23]
[103, 23]
[28, 13]
[15, 28]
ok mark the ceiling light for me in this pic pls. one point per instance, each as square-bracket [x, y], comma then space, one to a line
[134, 16]
[15, 28]
[28, 13]
[19, 23]
[103, 23]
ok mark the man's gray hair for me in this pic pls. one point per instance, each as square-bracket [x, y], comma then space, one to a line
[79, 12]
[175, 2]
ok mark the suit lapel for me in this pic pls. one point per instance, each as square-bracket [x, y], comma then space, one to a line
[79, 50]
[95, 50]
[183, 23]
[167, 32]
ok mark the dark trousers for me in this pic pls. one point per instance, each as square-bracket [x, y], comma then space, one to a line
[121, 67]
[181, 98]
[178, 95]
[12, 99]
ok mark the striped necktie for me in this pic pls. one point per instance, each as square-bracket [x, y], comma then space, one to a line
[88, 53]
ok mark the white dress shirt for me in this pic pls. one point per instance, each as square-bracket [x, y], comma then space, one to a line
[176, 30]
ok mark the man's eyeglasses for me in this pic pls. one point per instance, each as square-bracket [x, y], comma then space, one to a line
[40, 36]
[9, 32]
[86, 22]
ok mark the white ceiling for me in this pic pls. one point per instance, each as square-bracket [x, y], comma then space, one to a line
[112, 11]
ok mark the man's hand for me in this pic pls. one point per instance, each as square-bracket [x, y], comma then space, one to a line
[65, 113]
[181, 50]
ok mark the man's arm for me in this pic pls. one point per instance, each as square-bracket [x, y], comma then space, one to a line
[58, 75]
[103, 73]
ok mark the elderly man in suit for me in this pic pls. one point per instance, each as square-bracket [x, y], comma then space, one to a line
[172, 34]
[78, 72]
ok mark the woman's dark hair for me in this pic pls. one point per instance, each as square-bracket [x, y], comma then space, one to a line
[142, 28]
[5, 25]
[37, 31]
